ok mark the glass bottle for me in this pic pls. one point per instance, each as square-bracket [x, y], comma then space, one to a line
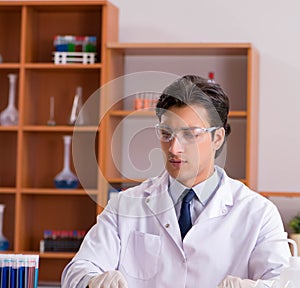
[66, 179]
[4, 244]
[10, 115]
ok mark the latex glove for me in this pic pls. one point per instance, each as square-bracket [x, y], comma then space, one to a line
[236, 282]
[109, 279]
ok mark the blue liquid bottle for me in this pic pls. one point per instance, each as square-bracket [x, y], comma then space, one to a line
[4, 244]
[66, 179]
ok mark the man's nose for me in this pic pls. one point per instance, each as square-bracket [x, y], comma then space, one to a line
[175, 145]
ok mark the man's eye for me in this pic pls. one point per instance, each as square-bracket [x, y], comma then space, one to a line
[166, 133]
[188, 134]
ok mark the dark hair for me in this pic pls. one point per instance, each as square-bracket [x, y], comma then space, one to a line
[195, 90]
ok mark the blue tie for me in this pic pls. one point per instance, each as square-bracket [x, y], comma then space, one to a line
[185, 221]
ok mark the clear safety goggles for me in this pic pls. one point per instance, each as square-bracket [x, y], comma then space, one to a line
[185, 135]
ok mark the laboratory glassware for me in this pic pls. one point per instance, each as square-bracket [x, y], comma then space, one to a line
[4, 244]
[66, 179]
[76, 116]
[10, 115]
[51, 121]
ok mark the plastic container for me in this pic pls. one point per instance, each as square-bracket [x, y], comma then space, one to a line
[290, 276]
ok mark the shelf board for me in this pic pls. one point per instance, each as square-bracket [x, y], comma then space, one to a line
[147, 113]
[54, 191]
[237, 114]
[62, 128]
[181, 48]
[124, 180]
[51, 255]
[280, 194]
[7, 190]
[125, 113]
[9, 65]
[62, 66]
[9, 128]
[57, 255]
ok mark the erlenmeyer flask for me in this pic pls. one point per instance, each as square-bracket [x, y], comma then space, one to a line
[4, 244]
[66, 179]
[10, 115]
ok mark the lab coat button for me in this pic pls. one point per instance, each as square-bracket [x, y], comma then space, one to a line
[147, 200]
[167, 225]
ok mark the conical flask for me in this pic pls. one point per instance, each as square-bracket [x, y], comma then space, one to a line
[66, 179]
[4, 244]
[10, 115]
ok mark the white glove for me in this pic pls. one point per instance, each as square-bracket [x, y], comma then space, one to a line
[109, 279]
[236, 282]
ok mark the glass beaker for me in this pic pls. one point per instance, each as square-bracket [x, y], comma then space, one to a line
[66, 179]
[10, 115]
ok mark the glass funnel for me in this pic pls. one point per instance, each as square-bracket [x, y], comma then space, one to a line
[66, 179]
[10, 115]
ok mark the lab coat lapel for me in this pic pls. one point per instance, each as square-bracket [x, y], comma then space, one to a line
[221, 202]
[161, 206]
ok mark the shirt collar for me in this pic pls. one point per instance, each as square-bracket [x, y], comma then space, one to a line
[203, 190]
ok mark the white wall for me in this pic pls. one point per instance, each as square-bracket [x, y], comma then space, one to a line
[273, 28]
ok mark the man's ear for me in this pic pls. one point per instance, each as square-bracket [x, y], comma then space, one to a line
[219, 137]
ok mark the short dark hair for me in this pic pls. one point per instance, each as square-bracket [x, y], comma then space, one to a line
[196, 90]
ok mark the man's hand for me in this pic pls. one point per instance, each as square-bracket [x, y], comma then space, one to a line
[109, 279]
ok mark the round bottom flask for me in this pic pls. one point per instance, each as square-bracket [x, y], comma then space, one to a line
[66, 179]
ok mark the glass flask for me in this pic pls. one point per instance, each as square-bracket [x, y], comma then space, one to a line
[77, 116]
[4, 244]
[66, 179]
[10, 115]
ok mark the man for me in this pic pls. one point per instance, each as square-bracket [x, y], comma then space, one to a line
[164, 234]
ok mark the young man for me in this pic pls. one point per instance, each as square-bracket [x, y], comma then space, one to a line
[192, 226]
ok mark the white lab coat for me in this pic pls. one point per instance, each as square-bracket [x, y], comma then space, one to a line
[138, 234]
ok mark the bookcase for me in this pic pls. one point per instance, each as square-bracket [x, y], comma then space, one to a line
[31, 153]
[236, 68]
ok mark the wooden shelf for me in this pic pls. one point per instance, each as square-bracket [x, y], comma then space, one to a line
[54, 191]
[9, 128]
[49, 255]
[240, 60]
[280, 194]
[57, 255]
[180, 48]
[32, 153]
[146, 113]
[42, 128]
[7, 190]
[10, 65]
[124, 180]
[52, 66]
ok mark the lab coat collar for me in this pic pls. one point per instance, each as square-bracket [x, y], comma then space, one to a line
[219, 205]
[221, 202]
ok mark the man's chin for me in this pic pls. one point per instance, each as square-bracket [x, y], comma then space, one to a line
[182, 178]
